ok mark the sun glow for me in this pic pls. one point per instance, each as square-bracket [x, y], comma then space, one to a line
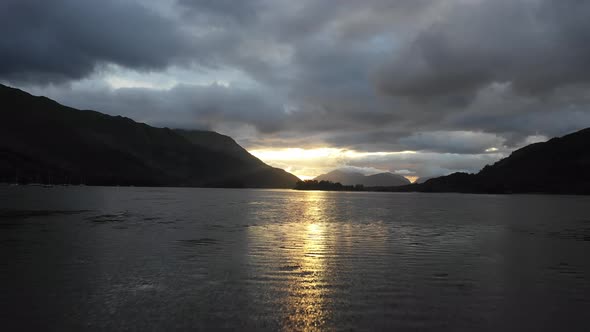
[299, 154]
[309, 163]
[293, 153]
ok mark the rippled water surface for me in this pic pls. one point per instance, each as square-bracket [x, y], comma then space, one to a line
[87, 258]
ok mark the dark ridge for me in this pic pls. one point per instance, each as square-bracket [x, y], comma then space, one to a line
[558, 166]
[42, 141]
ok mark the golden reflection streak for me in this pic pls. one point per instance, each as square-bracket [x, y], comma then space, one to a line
[294, 254]
[306, 303]
[292, 259]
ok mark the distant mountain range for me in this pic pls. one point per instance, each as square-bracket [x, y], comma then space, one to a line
[353, 178]
[559, 166]
[43, 141]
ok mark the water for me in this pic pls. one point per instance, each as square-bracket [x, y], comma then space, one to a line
[87, 258]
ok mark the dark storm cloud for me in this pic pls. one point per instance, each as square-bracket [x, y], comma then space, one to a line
[60, 40]
[436, 76]
[221, 11]
[183, 106]
[535, 45]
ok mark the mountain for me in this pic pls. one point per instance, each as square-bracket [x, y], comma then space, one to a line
[353, 178]
[217, 142]
[560, 166]
[385, 179]
[423, 179]
[43, 141]
[343, 177]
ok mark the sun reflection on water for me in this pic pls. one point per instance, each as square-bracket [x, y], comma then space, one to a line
[307, 291]
[307, 302]
[299, 269]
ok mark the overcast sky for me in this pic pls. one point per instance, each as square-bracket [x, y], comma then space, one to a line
[417, 87]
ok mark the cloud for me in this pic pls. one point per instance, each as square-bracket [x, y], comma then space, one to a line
[426, 164]
[466, 142]
[536, 45]
[62, 40]
[210, 106]
[221, 12]
[465, 80]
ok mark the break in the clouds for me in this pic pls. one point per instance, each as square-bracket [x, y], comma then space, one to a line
[459, 83]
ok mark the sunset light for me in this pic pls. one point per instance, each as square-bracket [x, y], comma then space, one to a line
[309, 163]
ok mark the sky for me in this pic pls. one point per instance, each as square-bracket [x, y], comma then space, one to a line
[417, 87]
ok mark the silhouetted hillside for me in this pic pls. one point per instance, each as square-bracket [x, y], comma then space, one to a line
[354, 178]
[43, 141]
[560, 165]
[218, 142]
